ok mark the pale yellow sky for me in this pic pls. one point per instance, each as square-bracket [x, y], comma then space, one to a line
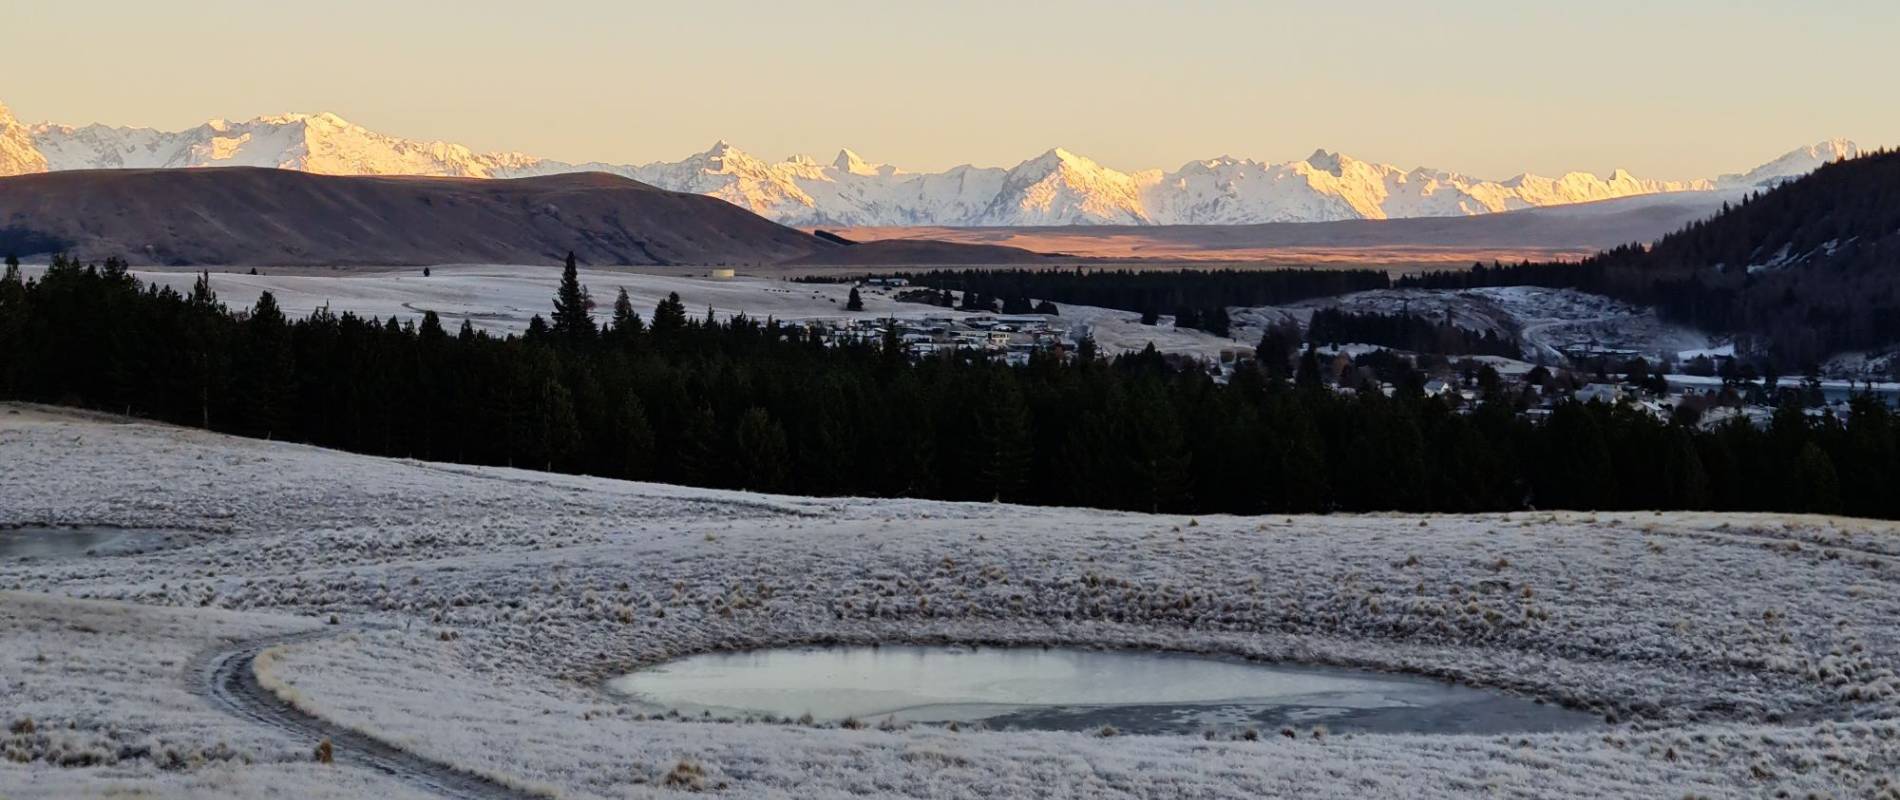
[1664, 88]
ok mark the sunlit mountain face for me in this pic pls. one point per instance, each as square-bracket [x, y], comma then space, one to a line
[1058, 187]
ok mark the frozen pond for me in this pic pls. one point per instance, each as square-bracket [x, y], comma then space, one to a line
[22, 544]
[1059, 689]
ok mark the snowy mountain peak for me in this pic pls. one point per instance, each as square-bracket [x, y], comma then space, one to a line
[724, 158]
[1062, 188]
[1792, 164]
[720, 151]
[850, 163]
[18, 154]
[1058, 187]
[1834, 149]
[1064, 157]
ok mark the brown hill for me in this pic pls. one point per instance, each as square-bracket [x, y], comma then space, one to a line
[926, 252]
[1572, 231]
[236, 215]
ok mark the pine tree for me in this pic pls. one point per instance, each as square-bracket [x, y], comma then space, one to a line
[12, 281]
[1816, 485]
[625, 322]
[431, 329]
[670, 315]
[698, 457]
[1002, 441]
[557, 431]
[1274, 354]
[635, 436]
[265, 373]
[1216, 322]
[855, 302]
[1308, 374]
[1152, 448]
[762, 452]
[571, 303]
[201, 294]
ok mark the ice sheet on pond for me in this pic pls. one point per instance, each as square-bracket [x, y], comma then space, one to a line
[36, 543]
[1064, 689]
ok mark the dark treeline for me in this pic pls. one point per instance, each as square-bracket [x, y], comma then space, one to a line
[1196, 298]
[1556, 276]
[1799, 272]
[758, 405]
[1332, 326]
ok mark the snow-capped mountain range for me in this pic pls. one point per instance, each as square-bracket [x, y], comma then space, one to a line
[1055, 188]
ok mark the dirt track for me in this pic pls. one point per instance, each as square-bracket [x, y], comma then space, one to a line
[226, 677]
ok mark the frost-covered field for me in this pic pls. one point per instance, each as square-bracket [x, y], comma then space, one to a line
[95, 700]
[503, 298]
[479, 609]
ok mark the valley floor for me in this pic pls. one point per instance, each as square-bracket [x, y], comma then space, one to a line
[477, 611]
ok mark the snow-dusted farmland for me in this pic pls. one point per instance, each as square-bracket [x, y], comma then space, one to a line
[502, 298]
[478, 610]
[1546, 320]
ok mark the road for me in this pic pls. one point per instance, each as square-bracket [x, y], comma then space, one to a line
[225, 677]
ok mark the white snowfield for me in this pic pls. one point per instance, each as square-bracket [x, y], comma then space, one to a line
[1057, 187]
[479, 610]
[503, 298]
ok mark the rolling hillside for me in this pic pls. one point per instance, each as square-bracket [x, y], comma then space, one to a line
[1798, 273]
[282, 217]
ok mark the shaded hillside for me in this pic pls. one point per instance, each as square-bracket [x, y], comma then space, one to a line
[922, 252]
[280, 217]
[1571, 231]
[1800, 272]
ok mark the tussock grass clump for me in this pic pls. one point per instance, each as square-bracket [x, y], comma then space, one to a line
[686, 776]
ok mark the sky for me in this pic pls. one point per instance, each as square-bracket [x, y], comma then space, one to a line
[1665, 88]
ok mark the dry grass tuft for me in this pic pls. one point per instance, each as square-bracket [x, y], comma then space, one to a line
[686, 776]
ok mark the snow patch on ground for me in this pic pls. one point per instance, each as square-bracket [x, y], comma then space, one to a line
[1737, 654]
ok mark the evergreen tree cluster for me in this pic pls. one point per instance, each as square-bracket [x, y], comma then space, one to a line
[765, 406]
[1332, 326]
[1196, 298]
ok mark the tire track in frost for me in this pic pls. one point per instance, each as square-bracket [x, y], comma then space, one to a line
[763, 505]
[227, 677]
